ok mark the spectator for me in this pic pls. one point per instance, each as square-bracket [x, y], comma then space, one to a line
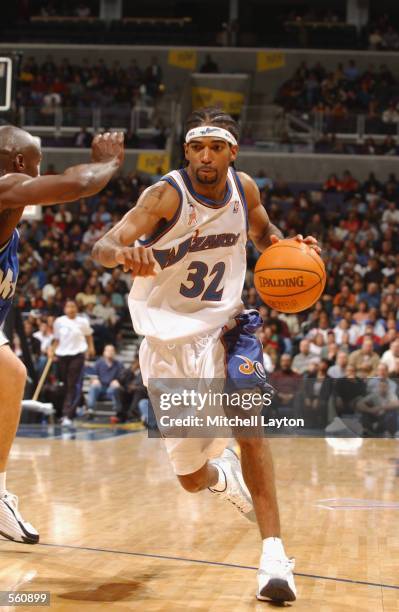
[132, 392]
[45, 336]
[390, 115]
[83, 138]
[108, 370]
[345, 297]
[301, 361]
[339, 368]
[352, 72]
[83, 10]
[209, 66]
[381, 374]
[317, 389]
[349, 390]
[365, 357]
[287, 384]
[348, 184]
[379, 410]
[73, 337]
[372, 296]
[390, 357]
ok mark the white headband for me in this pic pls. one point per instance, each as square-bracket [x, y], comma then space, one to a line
[211, 131]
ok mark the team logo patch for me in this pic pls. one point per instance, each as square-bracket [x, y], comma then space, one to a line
[251, 367]
[192, 216]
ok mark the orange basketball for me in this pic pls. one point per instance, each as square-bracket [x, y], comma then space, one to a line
[290, 276]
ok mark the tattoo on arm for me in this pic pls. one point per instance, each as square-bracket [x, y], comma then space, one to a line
[124, 233]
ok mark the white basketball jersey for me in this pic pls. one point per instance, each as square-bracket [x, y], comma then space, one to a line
[201, 265]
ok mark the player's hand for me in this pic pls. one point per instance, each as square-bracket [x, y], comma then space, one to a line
[108, 146]
[138, 260]
[309, 240]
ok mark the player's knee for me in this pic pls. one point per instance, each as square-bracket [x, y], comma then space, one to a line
[17, 372]
[193, 483]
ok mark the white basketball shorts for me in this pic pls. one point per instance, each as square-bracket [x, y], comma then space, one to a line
[231, 355]
[202, 357]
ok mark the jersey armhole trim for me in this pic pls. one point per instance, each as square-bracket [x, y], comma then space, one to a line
[6, 244]
[166, 228]
[242, 195]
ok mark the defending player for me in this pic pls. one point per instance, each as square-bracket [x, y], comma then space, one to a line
[20, 185]
[190, 267]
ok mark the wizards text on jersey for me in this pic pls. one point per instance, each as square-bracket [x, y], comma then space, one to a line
[168, 257]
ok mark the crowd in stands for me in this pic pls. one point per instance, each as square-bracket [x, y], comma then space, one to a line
[352, 332]
[45, 87]
[383, 35]
[59, 8]
[329, 143]
[315, 16]
[336, 96]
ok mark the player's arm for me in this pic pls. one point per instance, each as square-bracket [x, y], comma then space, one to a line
[262, 232]
[80, 181]
[156, 205]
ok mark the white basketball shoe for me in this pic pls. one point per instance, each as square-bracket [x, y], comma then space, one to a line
[236, 491]
[12, 525]
[276, 579]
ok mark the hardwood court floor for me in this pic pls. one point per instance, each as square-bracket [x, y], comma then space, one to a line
[117, 532]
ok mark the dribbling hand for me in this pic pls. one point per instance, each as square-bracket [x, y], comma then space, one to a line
[309, 240]
[108, 146]
[138, 260]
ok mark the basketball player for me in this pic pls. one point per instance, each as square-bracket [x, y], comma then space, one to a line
[20, 185]
[190, 266]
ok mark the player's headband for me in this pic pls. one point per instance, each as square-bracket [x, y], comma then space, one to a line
[210, 131]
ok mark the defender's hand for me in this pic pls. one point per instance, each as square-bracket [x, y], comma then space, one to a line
[138, 260]
[309, 240]
[108, 146]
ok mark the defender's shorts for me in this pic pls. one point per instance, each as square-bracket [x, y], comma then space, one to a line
[222, 354]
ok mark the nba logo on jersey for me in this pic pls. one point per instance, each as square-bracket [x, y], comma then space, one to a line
[235, 206]
[192, 215]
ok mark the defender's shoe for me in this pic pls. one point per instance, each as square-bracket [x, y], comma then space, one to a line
[12, 525]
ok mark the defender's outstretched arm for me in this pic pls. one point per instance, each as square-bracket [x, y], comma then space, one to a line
[18, 190]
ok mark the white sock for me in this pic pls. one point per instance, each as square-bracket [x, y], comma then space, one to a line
[221, 483]
[273, 547]
[2, 483]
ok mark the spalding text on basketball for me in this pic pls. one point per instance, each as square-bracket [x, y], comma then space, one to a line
[296, 281]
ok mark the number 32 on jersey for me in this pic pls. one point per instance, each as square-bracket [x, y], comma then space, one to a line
[204, 282]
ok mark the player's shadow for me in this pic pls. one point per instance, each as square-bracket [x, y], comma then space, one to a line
[109, 591]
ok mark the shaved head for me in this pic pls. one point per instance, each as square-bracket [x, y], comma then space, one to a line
[19, 151]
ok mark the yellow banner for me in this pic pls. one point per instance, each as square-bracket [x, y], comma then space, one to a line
[269, 60]
[153, 163]
[183, 58]
[230, 101]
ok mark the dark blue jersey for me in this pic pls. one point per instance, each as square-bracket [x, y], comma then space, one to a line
[8, 273]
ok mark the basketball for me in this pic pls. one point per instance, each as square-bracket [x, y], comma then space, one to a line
[290, 276]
